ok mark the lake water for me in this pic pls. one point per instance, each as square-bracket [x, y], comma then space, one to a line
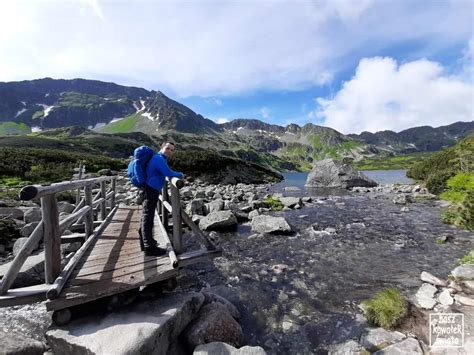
[380, 176]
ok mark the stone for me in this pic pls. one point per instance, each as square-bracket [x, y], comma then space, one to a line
[32, 215]
[292, 189]
[445, 298]
[349, 347]
[215, 206]
[253, 214]
[64, 206]
[212, 297]
[290, 202]
[19, 244]
[218, 221]
[401, 199]
[425, 296]
[377, 338]
[465, 300]
[464, 272]
[468, 286]
[427, 277]
[335, 174]
[145, 328]
[216, 348]
[213, 323]
[28, 229]
[31, 273]
[269, 224]
[14, 343]
[407, 346]
[196, 206]
[11, 212]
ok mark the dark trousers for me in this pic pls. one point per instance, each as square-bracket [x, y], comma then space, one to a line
[148, 217]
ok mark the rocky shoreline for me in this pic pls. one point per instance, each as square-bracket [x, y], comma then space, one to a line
[298, 276]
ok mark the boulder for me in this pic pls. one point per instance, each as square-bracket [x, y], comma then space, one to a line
[14, 343]
[331, 173]
[464, 272]
[253, 214]
[64, 206]
[269, 224]
[377, 338]
[32, 215]
[425, 296]
[214, 323]
[212, 297]
[28, 229]
[216, 347]
[349, 347]
[407, 346]
[291, 201]
[31, 273]
[11, 212]
[196, 206]
[218, 220]
[431, 279]
[215, 206]
[145, 328]
[445, 298]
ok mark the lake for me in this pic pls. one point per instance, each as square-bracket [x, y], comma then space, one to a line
[380, 176]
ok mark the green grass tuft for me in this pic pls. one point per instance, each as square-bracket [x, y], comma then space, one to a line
[274, 203]
[467, 259]
[386, 309]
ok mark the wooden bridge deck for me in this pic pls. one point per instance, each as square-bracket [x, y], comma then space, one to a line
[114, 263]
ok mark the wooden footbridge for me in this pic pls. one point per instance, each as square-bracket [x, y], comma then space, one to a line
[110, 260]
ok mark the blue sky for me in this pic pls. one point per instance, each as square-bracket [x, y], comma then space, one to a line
[352, 65]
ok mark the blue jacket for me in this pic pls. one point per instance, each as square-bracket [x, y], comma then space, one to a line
[157, 170]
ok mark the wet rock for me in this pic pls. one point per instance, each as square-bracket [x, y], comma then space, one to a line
[146, 328]
[445, 298]
[349, 347]
[335, 174]
[377, 338]
[425, 296]
[269, 224]
[14, 343]
[407, 346]
[218, 221]
[215, 348]
[290, 202]
[213, 323]
[28, 229]
[32, 215]
[464, 272]
[431, 279]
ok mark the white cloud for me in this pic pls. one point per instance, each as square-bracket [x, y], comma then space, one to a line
[214, 101]
[221, 120]
[384, 95]
[265, 111]
[209, 48]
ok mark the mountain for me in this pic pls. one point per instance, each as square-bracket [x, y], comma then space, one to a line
[417, 139]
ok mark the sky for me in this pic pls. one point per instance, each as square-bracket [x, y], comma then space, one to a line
[352, 65]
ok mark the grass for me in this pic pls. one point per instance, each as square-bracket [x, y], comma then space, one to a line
[386, 309]
[467, 259]
[399, 162]
[123, 126]
[8, 128]
[274, 203]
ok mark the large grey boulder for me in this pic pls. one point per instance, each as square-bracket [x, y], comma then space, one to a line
[32, 215]
[196, 206]
[31, 273]
[349, 347]
[18, 344]
[407, 346]
[214, 323]
[218, 220]
[12, 212]
[377, 338]
[64, 206]
[335, 174]
[218, 348]
[146, 328]
[464, 272]
[290, 201]
[28, 229]
[215, 206]
[269, 224]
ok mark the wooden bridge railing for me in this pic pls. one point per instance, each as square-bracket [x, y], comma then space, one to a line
[51, 228]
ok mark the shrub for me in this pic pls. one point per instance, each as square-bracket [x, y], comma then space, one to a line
[448, 217]
[386, 309]
[466, 212]
[468, 258]
[274, 203]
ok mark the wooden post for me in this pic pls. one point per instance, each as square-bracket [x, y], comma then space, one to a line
[164, 212]
[176, 213]
[52, 240]
[112, 198]
[103, 212]
[89, 218]
[79, 177]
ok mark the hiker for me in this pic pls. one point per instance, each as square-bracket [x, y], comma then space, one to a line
[157, 170]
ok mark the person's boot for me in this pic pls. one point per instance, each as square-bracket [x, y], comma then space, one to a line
[154, 251]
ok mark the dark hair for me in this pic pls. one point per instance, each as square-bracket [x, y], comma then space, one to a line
[167, 142]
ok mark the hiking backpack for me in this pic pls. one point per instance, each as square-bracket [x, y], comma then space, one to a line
[137, 167]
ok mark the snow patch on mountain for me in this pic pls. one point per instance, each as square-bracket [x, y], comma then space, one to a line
[36, 129]
[116, 119]
[47, 110]
[20, 112]
[97, 125]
